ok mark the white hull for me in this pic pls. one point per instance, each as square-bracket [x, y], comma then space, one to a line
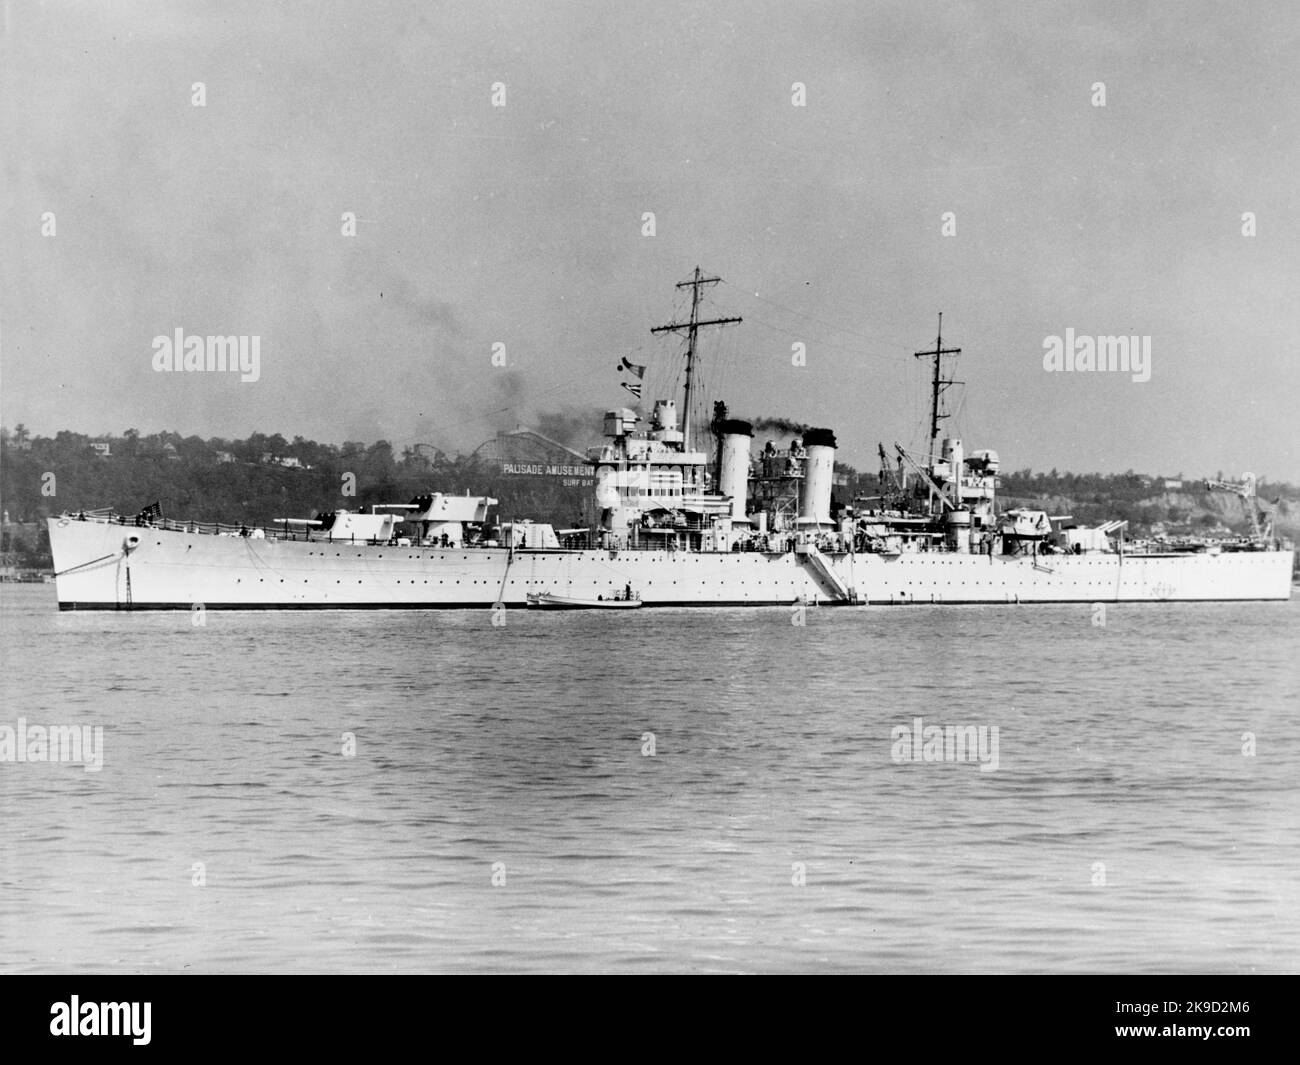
[168, 570]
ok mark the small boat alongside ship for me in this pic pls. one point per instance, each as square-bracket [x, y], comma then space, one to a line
[550, 601]
[687, 518]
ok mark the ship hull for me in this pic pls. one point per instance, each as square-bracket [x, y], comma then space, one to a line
[98, 567]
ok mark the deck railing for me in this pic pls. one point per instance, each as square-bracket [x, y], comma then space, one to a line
[258, 532]
[644, 540]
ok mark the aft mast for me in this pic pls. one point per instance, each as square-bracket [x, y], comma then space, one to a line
[691, 327]
[938, 386]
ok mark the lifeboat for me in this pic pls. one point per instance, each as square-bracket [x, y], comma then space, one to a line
[550, 601]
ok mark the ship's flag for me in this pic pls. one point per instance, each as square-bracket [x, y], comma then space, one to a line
[633, 367]
[634, 389]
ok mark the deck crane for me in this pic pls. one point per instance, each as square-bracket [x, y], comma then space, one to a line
[893, 486]
[935, 488]
[1246, 491]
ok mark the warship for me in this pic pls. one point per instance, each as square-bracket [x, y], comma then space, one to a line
[689, 515]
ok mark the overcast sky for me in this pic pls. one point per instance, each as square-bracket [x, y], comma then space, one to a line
[523, 224]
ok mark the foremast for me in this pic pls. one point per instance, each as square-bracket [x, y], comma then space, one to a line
[691, 327]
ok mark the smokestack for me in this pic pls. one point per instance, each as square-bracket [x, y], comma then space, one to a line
[818, 478]
[733, 464]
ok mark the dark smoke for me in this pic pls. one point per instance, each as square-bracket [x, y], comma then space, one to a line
[572, 427]
[507, 401]
[783, 425]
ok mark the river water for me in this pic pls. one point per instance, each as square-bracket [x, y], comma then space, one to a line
[676, 790]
